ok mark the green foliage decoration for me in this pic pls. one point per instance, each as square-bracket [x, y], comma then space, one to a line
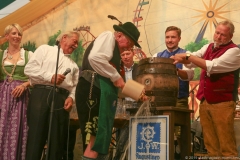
[192, 47]
[197, 72]
[4, 46]
[52, 39]
[77, 55]
[29, 46]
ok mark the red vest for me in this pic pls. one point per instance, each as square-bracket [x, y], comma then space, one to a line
[219, 87]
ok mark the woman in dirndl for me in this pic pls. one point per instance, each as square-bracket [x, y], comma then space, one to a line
[13, 96]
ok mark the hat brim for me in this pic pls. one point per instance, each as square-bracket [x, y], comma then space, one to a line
[117, 28]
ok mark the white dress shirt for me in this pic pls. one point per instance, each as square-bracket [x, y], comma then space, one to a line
[128, 75]
[227, 62]
[101, 54]
[42, 66]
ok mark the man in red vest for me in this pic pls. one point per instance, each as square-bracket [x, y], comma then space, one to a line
[220, 62]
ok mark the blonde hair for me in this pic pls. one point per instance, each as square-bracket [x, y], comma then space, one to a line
[68, 33]
[11, 26]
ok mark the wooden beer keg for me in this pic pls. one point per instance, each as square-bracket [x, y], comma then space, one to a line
[159, 76]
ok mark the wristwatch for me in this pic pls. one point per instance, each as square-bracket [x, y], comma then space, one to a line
[187, 56]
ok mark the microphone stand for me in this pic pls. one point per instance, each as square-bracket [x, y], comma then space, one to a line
[192, 98]
[52, 104]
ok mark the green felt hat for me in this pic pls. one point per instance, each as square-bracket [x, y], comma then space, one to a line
[130, 30]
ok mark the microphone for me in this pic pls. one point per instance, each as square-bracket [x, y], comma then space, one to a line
[68, 70]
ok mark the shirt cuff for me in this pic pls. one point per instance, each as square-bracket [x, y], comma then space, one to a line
[115, 77]
[72, 96]
[209, 65]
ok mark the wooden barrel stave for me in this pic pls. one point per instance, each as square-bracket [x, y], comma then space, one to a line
[159, 77]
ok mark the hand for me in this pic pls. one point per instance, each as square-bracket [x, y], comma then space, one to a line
[68, 104]
[180, 58]
[119, 83]
[143, 97]
[60, 79]
[17, 92]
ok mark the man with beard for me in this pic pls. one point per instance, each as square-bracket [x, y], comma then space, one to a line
[217, 91]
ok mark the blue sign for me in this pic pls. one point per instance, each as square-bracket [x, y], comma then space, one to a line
[149, 138]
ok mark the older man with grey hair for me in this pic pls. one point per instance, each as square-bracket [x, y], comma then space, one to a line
[217, 91]
[96, 92]
[41, 72]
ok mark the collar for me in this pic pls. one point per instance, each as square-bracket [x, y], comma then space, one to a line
[173, 50]
[220, 46]
[67, 55]
[61, 51]
[128, 69]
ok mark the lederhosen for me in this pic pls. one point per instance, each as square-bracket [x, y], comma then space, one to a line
[88, 96]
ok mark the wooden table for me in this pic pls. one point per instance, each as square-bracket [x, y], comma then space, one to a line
[177, 117]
